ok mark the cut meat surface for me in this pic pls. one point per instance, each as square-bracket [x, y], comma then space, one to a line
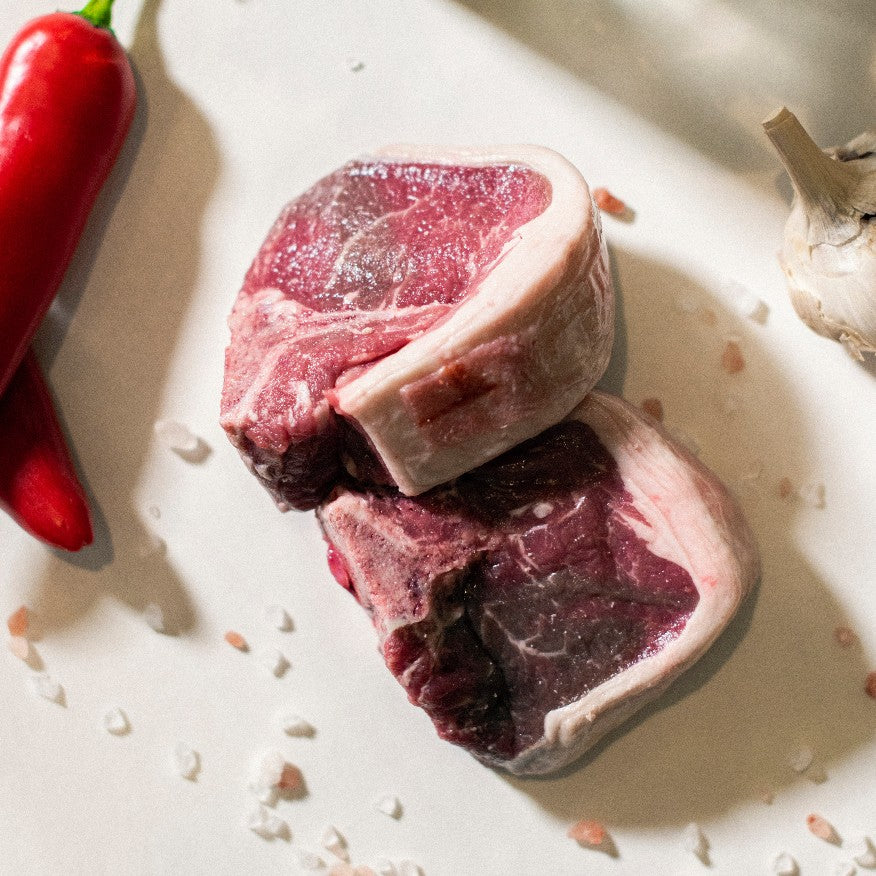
[413, 315]
[534, 603]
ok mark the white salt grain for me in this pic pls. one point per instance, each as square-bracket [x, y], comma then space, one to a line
[409, 868]
[278, 617]
[844, 868]
[186, 761]
[354, 65]
[269, 769]
[267, 824]
[729, 403]
[785, 865]
[813, 495]
[746, 303]
[801, 758]
[295, 725]
[47, 688]
[274, 661]
[176, 436]
[154, 616]
[389, 805]
[385, 867]
[333, 842]
[308, 860]
[154, 512]
[542, 509]
[862, 851]
[151, 545]
[694, 841]
[686, 304]
[266, 794]
[20, 647]
[688, 441]
[115, 721]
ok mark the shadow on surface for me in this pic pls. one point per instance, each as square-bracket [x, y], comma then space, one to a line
[708, 73]
[139, 261]
[776, 678]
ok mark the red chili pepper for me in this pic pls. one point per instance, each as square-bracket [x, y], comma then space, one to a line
[67, 97]
[38, 484]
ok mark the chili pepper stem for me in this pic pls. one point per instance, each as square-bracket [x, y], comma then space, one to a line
[98, 12]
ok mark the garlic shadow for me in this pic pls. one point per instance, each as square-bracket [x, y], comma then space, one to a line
[130, 286]
[776, 678]
[708, 74]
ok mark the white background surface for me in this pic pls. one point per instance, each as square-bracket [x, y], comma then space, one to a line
[245, 104]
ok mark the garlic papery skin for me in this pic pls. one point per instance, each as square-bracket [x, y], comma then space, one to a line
[829, 250]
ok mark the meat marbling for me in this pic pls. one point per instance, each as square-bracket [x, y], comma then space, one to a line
[414, 315]
[536, 602]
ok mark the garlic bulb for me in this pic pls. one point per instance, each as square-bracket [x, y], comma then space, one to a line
[829, 252]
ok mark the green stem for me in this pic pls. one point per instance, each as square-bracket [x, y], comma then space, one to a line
[98, 12]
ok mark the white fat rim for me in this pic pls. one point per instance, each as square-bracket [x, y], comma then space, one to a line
[535, 259]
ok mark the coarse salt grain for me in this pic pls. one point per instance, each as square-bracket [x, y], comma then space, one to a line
[845, 636]
[267, 824]
[587, 832]
[295, 725]
[870, 685]
[236, 640]
[274, 661]
[154, 512]
[385, 867]
[708, 316]
[342, 869]
[844, 868]
[115, 721]
[18, 622]
[278, 617]
[767, 795]
[176, 436]
[46, 687]
[695, 842]
[732, 360]
[800, 759]
[817, 774]
[862, 851]
[785, 865]
[688, 441]
[290, 778]
[308, 860]
[821, 828]
[813, 494]
[389, 805]
[333, 842]
[186, 761]
[354, 65]
[154, 616]
[686, 304]
[409, 868]
[542, 509]
[653, 407]
[20, 647]
[746, 303]
[608, 203]
[268, 769]
[729, 403]
[786, 489]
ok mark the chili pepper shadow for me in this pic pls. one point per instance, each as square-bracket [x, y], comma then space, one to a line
[776, 678]
[130, 286]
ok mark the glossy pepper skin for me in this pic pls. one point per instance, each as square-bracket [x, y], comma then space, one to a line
[38, 484]
[67, 98]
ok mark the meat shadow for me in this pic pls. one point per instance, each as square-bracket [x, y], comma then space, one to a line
[708, 74]
[138, 261]
[777, 680]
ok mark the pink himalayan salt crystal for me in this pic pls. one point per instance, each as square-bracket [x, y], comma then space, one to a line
[20, 647]
[845, 636]
[732, 360]
[587, 833]
[236, 640]
[821, 828]
[18, 622]
[654, 408]
[870, 685]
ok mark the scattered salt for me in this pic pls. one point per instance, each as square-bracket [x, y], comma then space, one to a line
[409, 868]
[785, 865]
[862, 851]
[154, 512]
[115, 721]
[542, 509]
[608, 203]
[278, 617]
[176, 436]
[812, 494]
[20, 647]
[695, 842]
[821, 828]
[290, 779]
[786, 489]
[236, 640]
[343, 869]
[845, 636]
[870, 685]
[354, 65]
[154, 616]
[729, 403]
[654, 408]
[817, 774]
[151, 545]
[732, 360]
[844, 868]
[754, 473]
[389, 805]
[767, 795]
[274, 661]
[46, 687]
[333, 842]
[385, 867]
[295, 725]
[18, 622]
[708, 316]
[686, 304]
[587, 833]
[186, 761]
[688, 441]
[268, 769]
[267, 824]
[800, 759]
[745, 302]
[308, 860]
